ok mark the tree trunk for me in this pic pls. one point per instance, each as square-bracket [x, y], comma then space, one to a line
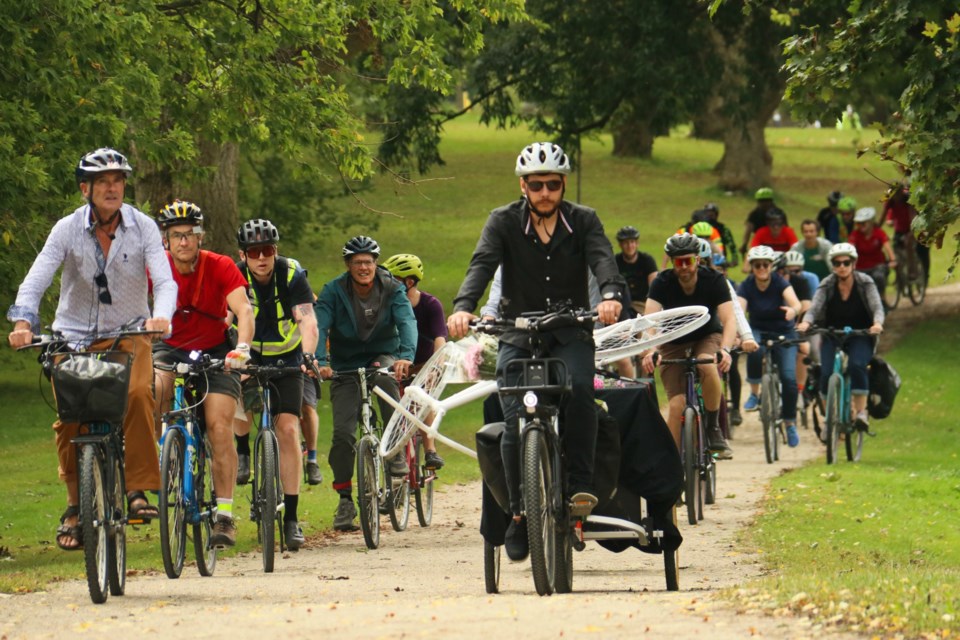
[632, 137]
[217, 196]
[746, 163]
[709, 123]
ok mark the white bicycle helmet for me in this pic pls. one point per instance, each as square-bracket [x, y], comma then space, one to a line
[99, 161]
[842, 249]
[761, 252]
[794, 259]
[705, 249]
[866, 214]
[542, 157]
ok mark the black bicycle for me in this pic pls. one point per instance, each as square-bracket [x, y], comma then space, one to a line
[771, 400]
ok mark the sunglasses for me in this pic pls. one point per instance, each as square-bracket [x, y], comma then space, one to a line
[537, 185]
[686, 261]
[101, 281]
[842, 263]
[267, 252]
[176, 237]
[760, 265]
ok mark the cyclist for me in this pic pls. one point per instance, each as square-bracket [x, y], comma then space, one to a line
[285, 334]
[776, 234]
[757, 219]
[813, 249]
[772, 305]
[706, 232]
[105, 242]
[431, 328]
[875, 252]
[847, 298]
[827, 218]
[546, 246]
[899, 213]
[847, 207]
[310, 427]
[207, 284]
[804, 283]
[370, 323]
[727, 241]
[637, 268]
[746, 340]
[687, 284]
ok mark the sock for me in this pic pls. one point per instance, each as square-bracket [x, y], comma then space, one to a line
[225, 508]
[312, 455]
[346, 494]
[713, 420]
[290, 507]
[243, 444]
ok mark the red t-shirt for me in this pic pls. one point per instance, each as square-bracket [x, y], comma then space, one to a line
[900, 213]
[199, 321]
[783, 242]
[869, 247]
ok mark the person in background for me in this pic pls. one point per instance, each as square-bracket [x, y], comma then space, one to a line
[828, 218]
[847, 207]
[875, 252]
[804, 283]
[814, 249]
[757, 218]
[727, 240]
[899, 213]
[776, 234]
[637, 268]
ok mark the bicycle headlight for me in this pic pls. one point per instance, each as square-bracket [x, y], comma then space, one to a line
[530, 401]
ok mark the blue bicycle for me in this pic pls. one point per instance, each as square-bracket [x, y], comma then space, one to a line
[187, 493]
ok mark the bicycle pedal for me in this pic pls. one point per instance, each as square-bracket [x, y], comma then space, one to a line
[137, 521]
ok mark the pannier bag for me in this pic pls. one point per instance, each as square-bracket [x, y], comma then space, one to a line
[884, 385]
[92, 386]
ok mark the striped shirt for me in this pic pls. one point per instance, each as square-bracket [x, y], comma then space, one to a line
[136, 253]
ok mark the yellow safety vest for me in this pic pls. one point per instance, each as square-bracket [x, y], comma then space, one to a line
[287, 327]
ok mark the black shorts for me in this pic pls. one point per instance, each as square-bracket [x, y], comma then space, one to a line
[286, 394]
[223, 382]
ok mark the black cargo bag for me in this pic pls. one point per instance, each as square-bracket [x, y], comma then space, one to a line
[884, 385]
[92, 386]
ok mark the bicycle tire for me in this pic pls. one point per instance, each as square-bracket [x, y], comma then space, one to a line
[900, 285]
[767, 419]
[368, 493]
[630, 337]
[833, 418]
[917, 290]
[854, 444]
[710, 488]
[491, 567]
[537, 478]
[423, 487]
[117, 570]
[702, 452]
[173, 525]
[206, 495]
[690, 468]
[398, 502]
[671, 562]
[266, 470]
[93, 509]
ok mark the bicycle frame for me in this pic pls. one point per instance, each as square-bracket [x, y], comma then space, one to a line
[183, 419]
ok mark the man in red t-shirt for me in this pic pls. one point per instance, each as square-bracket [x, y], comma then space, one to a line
[208, 284]
[899, 213]
[875, 254]
[776, 235]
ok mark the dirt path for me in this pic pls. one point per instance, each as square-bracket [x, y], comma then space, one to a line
[429, 582]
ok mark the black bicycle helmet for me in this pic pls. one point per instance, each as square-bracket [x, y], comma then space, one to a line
[179, 212]
[100, 161]
[712, 206]
[682, 244]
[255, 232]
[833, 198]
[361, 244]
[628, 233]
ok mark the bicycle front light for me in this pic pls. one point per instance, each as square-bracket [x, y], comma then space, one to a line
[530, 401]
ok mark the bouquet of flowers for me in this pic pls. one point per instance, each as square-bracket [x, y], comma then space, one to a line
[480, 359]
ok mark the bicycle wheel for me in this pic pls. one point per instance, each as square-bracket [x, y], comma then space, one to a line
[265, 463]
[398, 502]
[854, 444]
[538, 478]
[900, 286]
[767, 417]
[368, 493]
[491, 567]
[630, 337]
[423, 487]
[691, 472]
[93, 512]
[206, 499]
[917, 289]
[833, 418]
[173, 525]
[671, 562]
[117, 574]
[710, 488]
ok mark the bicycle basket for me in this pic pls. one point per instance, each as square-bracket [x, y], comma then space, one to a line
[92, 386]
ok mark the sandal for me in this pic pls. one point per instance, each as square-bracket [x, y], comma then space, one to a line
[139, 509]
[67, 532]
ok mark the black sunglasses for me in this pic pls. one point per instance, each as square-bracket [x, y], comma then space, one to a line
[101, 281]
[842, 263]
[537, 185]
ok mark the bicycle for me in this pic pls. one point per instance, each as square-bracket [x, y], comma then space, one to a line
[91, 389]
[838, 417]
[267, 490]
[771, 401]
[699, 465]
[187, 492]
[904, 286]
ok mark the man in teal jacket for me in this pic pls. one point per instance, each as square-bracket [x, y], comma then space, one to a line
[368, 318]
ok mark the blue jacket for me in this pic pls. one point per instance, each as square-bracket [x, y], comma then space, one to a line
[395, 333]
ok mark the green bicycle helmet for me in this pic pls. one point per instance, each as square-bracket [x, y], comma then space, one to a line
[847, 203]
[702, 229]
[404, 265]
[763, 193]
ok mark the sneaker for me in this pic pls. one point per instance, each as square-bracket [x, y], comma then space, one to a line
[752, 403]
[515, 541]
[243, 468]
[343, 519]
[398, 465]
[314, 476]
[793, 438]
[293, 535]
[582, 503]
[735, 418]
[718, 444]
[432, 460]
[863, 421]
[224, 533]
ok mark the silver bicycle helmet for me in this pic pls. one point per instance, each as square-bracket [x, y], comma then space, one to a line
[100, 161]
[542, 157]
[794, 259]
[842, 249]
[761, 252]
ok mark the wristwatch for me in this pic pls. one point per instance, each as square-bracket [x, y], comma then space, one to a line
[611, 295]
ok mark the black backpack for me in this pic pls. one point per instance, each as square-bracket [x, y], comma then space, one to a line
[884, 385]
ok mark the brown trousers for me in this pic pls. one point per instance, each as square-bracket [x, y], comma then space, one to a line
[141, 461]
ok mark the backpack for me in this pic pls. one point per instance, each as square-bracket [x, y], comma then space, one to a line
[884, 385]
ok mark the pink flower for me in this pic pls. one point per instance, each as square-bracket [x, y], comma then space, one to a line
[597, 383]
[472, 361]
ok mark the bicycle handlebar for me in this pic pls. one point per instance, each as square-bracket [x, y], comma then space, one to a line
[839, 332]
[535, 322]
[191, 368]
[48, 341]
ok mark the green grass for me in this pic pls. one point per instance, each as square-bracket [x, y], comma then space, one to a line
[877, 544]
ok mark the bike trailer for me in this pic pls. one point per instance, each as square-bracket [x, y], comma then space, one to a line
[884, 385]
